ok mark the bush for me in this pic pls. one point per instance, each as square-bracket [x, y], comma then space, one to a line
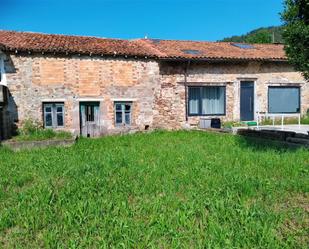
[230, 124]
[30, 127]
[33, 130]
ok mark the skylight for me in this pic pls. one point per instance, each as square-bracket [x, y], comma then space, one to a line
[155, 41]
[243, 46]
[191, 51]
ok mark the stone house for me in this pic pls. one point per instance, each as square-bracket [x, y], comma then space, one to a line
[94, 86]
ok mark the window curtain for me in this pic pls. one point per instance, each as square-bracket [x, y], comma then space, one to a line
[213, 100]
[194, 96]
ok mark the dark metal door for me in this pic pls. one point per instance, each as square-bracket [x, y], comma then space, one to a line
[90, 119]
[246, 101]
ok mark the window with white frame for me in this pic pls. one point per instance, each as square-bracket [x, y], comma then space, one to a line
[53, 115]
[2, 95]
[3, 89]
[283, 99]
[123, 113]
[1, 69]
[206, 100]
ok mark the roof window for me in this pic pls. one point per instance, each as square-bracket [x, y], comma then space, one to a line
[191, 51]
[243, 45]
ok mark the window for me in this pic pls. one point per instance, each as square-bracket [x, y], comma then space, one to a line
[89, 113]
[243, 45]
[123, 112]
[3, 92]
[283, 99]
[1, 68]
[53, 115]
[207, 100]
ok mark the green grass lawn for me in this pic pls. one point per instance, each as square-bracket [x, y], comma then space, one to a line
[157, 190]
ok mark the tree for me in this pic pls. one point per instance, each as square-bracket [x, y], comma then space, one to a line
[260, 37]
[296, 34]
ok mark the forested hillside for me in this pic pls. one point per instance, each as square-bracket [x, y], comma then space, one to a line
[261, 35]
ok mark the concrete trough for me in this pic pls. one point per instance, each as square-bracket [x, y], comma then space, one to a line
[27, 145]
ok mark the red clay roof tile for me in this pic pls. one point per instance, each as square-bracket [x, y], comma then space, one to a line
[154, 48]
[37, 42]
[218, 50]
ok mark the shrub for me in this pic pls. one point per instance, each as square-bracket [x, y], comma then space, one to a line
[33, 130]
[30, 127]
[230, 124]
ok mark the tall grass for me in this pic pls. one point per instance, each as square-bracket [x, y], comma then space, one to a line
[159, 190]
[304, 120]
[34, 131]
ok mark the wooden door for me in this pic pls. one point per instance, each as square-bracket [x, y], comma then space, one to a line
[90, 119]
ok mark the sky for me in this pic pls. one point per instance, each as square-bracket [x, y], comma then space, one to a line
[129, 19]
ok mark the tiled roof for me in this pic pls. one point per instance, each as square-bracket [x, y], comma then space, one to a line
[218, 50]
[154, 48]
[37, 42]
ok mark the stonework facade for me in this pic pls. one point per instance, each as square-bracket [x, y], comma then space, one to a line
[170, 111]
[34, 80]
[157, 89]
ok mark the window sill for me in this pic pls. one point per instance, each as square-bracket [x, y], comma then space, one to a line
[122, 126]
[206, 115]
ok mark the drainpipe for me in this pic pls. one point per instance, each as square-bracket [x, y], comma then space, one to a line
[186, 88]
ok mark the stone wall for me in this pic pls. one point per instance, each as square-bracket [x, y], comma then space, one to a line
[34, 79]
[170, 110]
[156, 89]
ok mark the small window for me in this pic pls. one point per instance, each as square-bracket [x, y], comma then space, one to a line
[206, 100]
[243, 45]
[1, 68]
[53, 115]
[191, 51]
[90, 113]
[283, 99]
[3, 95]
[123, 112]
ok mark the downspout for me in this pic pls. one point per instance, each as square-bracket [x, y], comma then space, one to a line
[186, 87]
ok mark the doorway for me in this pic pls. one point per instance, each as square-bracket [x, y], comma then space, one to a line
[246, 100]
[90, 119]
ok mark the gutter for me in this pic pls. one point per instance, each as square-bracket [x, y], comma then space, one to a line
[180, 59]
[61, 52]
[186, 87]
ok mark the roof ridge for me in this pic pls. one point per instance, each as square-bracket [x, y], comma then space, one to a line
[138, 39]
[211, 42]
[65, 35]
